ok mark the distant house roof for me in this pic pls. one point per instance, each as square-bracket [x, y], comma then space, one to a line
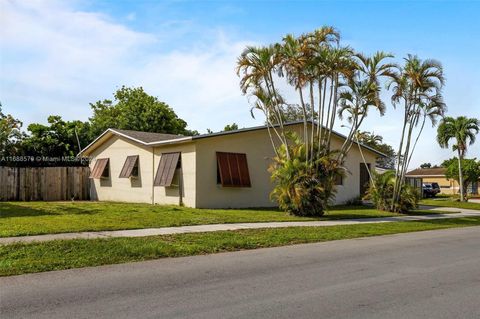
[421, 172]
[154, 139]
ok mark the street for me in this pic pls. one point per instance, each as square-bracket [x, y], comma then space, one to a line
[432, 274]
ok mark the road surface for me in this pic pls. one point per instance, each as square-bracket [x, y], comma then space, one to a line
[434, 274]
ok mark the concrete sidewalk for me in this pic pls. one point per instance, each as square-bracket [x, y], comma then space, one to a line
[220, 227]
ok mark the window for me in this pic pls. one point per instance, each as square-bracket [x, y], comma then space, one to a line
[339, 180]
[232, 170]
[130, 168]
[166, 169]
[101, 169]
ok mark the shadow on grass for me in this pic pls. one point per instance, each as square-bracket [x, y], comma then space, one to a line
[19, 210]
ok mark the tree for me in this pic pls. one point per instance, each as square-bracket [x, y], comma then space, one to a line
[470, 171]
[376, 142]
[10, 134]
[134, 109]
[418, 84]
[57, 139]
[230, 127]
[326, 79]
[426, 165]
[463, 130]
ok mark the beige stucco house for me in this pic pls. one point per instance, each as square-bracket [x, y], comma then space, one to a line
[437, 175]
[219, 170]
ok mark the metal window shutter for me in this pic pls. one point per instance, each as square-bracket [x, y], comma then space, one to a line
[128, 167]
[99, 168]
[233, 169]
[166, 169]
[243, 170]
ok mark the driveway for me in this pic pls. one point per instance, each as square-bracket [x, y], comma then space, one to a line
[433, 274]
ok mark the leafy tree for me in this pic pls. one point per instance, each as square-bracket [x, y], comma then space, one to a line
[10, 134]
[426, 165]
[376, 142]
[134, 109]
[231, 127]
[463, 130]
[470, 171]
[417, 87]
[58, 138]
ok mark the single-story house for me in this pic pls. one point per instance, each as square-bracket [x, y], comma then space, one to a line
[218, 170]
[437, 175]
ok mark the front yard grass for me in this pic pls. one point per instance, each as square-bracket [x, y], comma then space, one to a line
[449, 202]
[34, 218]
[18, 259]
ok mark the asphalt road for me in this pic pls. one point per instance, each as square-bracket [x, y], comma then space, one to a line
[433, 274]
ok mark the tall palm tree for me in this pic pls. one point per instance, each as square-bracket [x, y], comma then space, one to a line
[463, 130]
[418, 84]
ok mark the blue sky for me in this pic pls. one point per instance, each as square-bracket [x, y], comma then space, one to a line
[56, 57]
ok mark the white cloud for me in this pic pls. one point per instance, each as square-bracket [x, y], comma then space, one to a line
[57, 59]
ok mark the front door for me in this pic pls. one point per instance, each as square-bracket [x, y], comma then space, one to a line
[364, 178]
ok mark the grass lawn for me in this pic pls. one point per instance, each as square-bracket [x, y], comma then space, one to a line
[448, 202]
[33, 218]
[65, 254]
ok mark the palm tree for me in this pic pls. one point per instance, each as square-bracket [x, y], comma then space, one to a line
[418, 85]
[362, 92]
[463, 130]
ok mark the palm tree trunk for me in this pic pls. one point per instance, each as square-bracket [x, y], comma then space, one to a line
[305, 132]
[399, 155]
[416, 140]
[460, 175]
[327, 120]
[312, 105]
[334, 112]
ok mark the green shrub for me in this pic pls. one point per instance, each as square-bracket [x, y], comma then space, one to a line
[303, 188]
[380, 193]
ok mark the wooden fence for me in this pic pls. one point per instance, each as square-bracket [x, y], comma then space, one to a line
[44, 183]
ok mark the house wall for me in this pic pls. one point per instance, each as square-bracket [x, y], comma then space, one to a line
[257, 146]
[136, 190]
[448, 186]
[171, 194]
[350, 188]
[199, 172]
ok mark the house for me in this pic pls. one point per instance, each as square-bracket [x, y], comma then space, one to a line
[437, 175]
[219, 170]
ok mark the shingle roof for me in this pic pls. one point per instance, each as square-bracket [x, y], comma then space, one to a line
[153, 139]
[147, 137]
[437, 171]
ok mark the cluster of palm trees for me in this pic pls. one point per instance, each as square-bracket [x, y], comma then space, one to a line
[318, 69]
[333, 81]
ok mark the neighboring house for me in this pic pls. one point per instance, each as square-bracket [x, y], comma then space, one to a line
[219, 170]
[437, 175]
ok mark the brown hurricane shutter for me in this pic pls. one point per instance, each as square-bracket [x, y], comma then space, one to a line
[233, 169]
[166, 169]
[128, 167]
[99, 169]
